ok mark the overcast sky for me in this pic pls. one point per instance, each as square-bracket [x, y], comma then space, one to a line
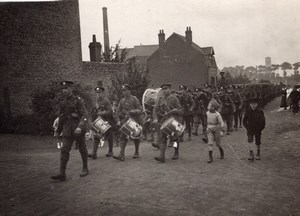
[242, 32]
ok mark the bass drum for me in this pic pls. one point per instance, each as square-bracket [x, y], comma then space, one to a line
[149, 100]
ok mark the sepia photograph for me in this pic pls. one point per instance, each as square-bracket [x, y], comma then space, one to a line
[149, 108]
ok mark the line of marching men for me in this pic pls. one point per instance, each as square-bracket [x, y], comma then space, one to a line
[183, 108]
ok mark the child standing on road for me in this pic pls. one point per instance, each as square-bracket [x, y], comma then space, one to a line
[215, 127]
[59, 138]
[254, 122]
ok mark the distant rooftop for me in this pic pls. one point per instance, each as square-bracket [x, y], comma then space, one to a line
[141, 50]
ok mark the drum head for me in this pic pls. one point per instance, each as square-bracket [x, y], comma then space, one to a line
[150, 98]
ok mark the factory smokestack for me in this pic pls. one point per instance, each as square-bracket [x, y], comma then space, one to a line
[105, 33]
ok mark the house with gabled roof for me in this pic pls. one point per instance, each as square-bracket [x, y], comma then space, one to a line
[180, 61]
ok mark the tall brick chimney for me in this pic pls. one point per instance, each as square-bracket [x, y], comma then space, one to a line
[161, 38]
[105, 32]
[188, 35]
[95, 50]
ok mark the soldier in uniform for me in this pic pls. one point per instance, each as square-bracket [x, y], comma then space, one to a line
[188, 105]
[238, 102]
[167, 106]
[227, 110]
[104, 110]
[129, 107]
[222, 82]
[73, 117]
[201, 103]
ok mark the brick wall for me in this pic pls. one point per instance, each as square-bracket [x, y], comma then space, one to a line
[96, 71]
[41, 42]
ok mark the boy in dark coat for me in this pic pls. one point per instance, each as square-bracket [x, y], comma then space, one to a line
[254, 122]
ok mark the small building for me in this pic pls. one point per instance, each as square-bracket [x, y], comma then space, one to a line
[180, 61]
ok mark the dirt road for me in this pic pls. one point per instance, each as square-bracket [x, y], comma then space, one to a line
[140, 187]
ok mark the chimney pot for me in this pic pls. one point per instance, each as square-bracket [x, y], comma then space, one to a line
[188, 35]
[94, 38]
[161, 38]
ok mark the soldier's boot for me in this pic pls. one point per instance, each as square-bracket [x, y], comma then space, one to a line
[258, 153]
[210, 159]
[136, 154]
[121, 156]
[171, 142]
[221, 152]
[62, 169]
[204, 131]
[251, 158]
[161, 158]
[155, 145]
[196, 130]
[93, 155]
[85, 170]
[181, 137]
[110, 147]
[190, 136]
[176, 153]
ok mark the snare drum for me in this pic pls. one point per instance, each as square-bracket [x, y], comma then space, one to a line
[172, 127]
[149, 100]
[100, 127]
[132, 129]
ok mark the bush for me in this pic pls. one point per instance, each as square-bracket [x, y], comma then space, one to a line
[45, 107]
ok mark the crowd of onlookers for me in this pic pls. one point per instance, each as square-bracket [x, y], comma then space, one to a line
[290, 97]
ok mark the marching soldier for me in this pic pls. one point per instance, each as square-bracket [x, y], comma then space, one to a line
[188, 105]
[201, 103]
[238, 102]
[104, 110]
[222, 82]
[227, 110]
[73, 117]
[167, 106]
[129, 107]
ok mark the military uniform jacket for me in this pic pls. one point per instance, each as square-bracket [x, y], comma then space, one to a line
[129, 107]
[201, 103]
[237, 100]
[228, 106]
[72, 114]
[104, 110]
[187, 103]
[254, 120]
[165, 105]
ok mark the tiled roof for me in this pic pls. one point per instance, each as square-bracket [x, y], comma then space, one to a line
[141, 50]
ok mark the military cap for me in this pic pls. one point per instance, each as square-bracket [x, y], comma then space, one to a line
[166, 85]
[126, 86]
[66, 84]
[182, 87]
[214, 103]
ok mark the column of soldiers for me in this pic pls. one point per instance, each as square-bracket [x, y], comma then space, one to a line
[185, 106]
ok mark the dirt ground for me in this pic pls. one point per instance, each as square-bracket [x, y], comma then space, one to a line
[139, 187]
